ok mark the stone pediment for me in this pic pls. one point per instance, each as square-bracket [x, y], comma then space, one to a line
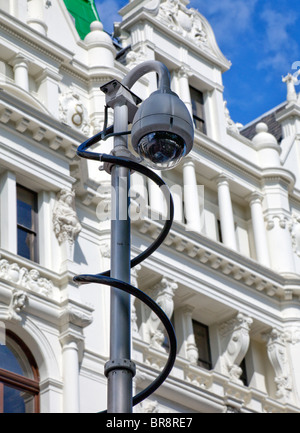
[184, 23]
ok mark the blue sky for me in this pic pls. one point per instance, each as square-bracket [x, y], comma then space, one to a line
[261, 38]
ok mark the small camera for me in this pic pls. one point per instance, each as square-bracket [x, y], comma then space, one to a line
[162, 130]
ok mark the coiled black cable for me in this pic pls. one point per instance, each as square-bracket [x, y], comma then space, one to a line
[104, 277]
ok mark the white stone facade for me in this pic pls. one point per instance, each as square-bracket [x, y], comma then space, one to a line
[231, 261]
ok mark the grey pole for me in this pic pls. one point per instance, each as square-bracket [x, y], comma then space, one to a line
[120, 369]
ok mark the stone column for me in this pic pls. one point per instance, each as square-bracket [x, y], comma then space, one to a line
[226, 213]
[36, 17]
[191, 197]
[70, 360]
[73, 320]
[156, 198]
[259, 230]
[280, 242]
[20, 67]
[183, 80]
[8, 208]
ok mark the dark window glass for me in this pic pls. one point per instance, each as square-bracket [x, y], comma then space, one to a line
[220, 238]
[244, 377]
[13, 400]
[198, 109]
[202, 342]
[27, 223]
[19, 378]
[8, 361]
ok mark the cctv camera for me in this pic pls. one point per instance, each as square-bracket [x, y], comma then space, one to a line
[162, 130]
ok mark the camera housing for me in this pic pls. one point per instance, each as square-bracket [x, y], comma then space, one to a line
[162, 130]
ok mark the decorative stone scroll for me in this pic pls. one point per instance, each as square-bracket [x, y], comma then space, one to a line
[277, 352]
[163, 294]
[235, 342]
[65, 222]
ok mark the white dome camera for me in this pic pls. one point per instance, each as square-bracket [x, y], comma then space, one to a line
[162, 130]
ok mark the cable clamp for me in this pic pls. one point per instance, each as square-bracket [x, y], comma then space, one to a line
[120, 364]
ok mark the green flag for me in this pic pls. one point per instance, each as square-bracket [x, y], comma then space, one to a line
[84, 13]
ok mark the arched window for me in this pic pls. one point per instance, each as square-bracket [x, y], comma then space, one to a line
[19, 377]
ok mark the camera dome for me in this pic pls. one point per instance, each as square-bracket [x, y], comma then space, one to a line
[162, 130]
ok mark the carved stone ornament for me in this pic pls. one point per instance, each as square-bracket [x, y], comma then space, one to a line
[185, 22]
[231, 125]
[277, 353]
[18, 303]
[291, 80]
[134, 281]
[295, 233]
[282, 221]
[136, 57]
[163, 294]
[72, 111]
[65, 222]
[27, 279]
[235, 343]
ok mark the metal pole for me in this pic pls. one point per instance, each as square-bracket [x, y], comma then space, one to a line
[120, 369]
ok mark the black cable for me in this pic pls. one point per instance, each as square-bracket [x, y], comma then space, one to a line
[104, 277]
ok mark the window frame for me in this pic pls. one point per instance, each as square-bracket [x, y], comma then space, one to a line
[19, 382]
[35, 255]
[200, 361]
[198, 117]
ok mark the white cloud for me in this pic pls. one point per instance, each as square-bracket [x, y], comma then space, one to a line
[279, 48]
[228, 18]
[277, 36]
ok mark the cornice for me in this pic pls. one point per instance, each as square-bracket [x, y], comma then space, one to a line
[98, 75]
[225, 159]
[229, 263]
[24, 33]
[202, 388]
[279, 175]
[43, 128]
[289, 111]
[246, 170]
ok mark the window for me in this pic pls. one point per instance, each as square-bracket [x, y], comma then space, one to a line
[219, 231]
[244, 377]
[202, 342]
[19, 378]
[198, 109]
[27, 223]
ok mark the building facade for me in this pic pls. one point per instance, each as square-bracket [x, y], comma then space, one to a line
[228, 275]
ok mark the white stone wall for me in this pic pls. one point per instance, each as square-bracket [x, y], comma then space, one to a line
[245, 288]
